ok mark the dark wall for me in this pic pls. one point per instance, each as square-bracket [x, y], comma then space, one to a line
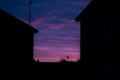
[16, 42]
[100, 40]
[18, 46]
[99, 37]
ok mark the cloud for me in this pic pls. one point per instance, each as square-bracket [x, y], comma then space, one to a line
[45, 24]
[47, 59]
[55, 26]
[53, 58]
[42, 20]
[53, 51]
[57, 48]
[60, 33]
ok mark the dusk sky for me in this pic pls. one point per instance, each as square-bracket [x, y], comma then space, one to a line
[59, 33]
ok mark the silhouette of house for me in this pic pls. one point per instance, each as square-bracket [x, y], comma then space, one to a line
[99, 28]
[16, 40]
[100, 38]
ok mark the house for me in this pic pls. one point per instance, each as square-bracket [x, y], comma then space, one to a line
[16, 40]
[100, 38]
[99, 28]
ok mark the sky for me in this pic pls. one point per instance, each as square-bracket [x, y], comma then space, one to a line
[59, 33]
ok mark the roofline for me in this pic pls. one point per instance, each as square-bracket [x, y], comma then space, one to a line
[77, 18]
[34, 30]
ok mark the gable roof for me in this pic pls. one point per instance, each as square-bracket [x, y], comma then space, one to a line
[99, 7]
[5, 17]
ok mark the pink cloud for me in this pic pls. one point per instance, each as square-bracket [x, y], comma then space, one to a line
[64, 22]
[55, 12]
[69, 38]
[56, 51]
[67, 20]
[38, 21]
[70, 31]
[47, 59]
[59, 43]
[58, 48]
[55, 26]
[42, 20]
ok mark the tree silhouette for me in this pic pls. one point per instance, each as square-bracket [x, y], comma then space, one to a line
[62, 60]
[68, 57]
[38, 61]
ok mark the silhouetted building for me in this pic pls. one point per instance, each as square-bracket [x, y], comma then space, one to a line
[99, 29]
[16, 40]
[100, 38]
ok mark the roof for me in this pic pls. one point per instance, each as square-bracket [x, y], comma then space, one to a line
[98, 8]
[11, 19]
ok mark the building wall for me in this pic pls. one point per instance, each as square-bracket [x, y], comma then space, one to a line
[99, 35]
[17, 53]
[100, 38]
[16, 44]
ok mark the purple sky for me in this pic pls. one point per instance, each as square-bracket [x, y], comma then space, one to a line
[59, 34]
